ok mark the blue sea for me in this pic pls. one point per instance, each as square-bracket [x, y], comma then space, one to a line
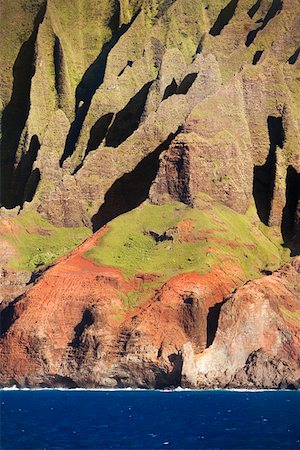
[124, 419]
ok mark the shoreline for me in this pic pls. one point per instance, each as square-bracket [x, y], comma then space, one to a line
[176, 390]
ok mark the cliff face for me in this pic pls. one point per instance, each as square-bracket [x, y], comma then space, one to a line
[73, 328]
[172, 127]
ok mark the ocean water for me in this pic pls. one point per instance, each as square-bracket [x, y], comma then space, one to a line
[54, 419]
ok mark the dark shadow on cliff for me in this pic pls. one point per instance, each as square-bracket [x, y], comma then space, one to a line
[172, 379]
[59, 70]
[91, 81]
[132, 189]
[8, 316]
[182, 88]
[292, 59]
[212, 322]
[186, 83]
[16, 112]
[57, 382]
[170, 90]
[224, 18]
[200, 46]
[257, 57]
[23, 171]
[291, 214]
[253, 10]
[32, 184]
[127, 120]
[275, 9]
[86, 321]
[98, 132]
[264, 176]
[128, 64]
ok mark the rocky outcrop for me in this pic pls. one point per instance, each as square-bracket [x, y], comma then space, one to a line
[73, 327]
[126, 93]
[187, 113]
[188, 168]
[257, 341]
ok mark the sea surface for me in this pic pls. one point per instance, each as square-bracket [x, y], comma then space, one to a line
[124, 419]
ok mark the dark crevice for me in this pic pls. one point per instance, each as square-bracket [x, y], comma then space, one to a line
[24, 169]
[291, 213]
[36, 275]
[91, 81]
[16, 112]
[32, 184]
[188, 300]
[74, 132]
[276, 132]
[58, 69]
[97, 134]
[253, 10]
[180, 186]
[172, 379]
[86, 321]
[170, 90]
[186, 83]
[127, 120]
[257, 57]
[275, 9]
[128, 64]
[264, 176]
[224, 17]
[212, 322]
[159, 352]
[132, 188]
[8, 316]
[294, 57]
[200, 45]
[57, 381]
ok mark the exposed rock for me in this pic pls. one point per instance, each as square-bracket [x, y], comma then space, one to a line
[72, 328]
[257, 341]
[66, 326]
[106, 106]
[133, 84]
[264, 371]
[12, 284]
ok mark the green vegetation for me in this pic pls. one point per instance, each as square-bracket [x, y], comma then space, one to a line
[17, 19]
[130, 300]
[293, 315]
[218, 236]
[134, 298]
[37, 242]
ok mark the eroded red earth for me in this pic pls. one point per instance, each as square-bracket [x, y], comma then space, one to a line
[72, 328]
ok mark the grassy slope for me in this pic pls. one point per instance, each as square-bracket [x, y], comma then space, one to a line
[220, 236]
[37, 242]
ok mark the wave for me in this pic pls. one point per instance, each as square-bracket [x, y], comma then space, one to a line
[129, 389]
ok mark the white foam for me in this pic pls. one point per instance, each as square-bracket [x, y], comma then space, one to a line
[129, 389]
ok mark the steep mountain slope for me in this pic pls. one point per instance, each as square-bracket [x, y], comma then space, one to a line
[179, 119]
